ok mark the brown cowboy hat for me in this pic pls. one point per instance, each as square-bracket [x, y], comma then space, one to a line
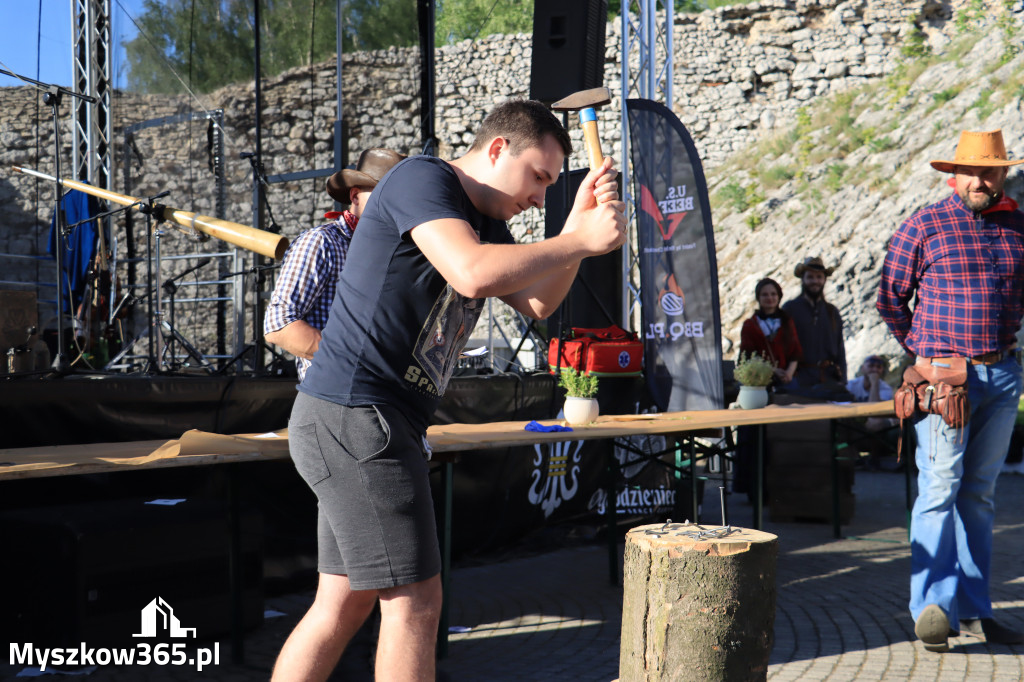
[812, 263]
[373, 165]
[977, 149]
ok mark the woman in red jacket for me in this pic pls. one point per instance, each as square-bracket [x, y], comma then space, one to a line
[771, 332]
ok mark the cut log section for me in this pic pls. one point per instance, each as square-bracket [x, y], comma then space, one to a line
[698, 603]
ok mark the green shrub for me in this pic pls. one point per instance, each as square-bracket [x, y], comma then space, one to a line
[753, 370]
[776, 176]
[834, 176]
[577, 385]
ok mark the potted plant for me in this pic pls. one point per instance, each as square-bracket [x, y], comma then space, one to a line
[580, 404]
[754, 373]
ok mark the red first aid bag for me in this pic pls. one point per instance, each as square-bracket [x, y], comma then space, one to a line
[608, 352]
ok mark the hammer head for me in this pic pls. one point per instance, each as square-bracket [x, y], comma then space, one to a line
[593, 98]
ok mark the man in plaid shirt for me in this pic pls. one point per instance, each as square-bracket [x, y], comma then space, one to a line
[963, 258]
[305, 288]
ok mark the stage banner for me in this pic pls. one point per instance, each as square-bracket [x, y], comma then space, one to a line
[678, 271]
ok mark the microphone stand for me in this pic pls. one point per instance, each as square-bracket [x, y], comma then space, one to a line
[258, 345]
[258, 177]
[52, 95]
[171, 287]
[259, 181]
[152, 210]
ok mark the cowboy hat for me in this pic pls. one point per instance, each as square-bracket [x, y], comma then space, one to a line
[373, 165]
[977, 149]
[812, 263]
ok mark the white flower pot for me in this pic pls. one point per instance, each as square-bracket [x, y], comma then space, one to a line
[752, 397]
[580, 411]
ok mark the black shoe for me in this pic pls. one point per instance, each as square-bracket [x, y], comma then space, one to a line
[991, 631]
[932, 628]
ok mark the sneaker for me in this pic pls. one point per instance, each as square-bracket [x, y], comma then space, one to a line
[932, 628]
[991, 631]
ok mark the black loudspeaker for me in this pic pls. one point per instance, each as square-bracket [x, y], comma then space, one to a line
[595, 299]
[568, 47]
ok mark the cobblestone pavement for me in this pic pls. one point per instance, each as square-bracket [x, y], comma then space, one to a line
[841, 613]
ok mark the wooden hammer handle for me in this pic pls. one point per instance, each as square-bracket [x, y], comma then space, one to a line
[591, 139]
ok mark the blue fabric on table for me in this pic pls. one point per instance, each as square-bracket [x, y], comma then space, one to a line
[537, 426]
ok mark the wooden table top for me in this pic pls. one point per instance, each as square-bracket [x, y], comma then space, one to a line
[199, 448]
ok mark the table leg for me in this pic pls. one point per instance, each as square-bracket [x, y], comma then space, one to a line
[447, 472]
[693, 479]
[235, 567]
[834, 461]
[610, 512]
[759, 494]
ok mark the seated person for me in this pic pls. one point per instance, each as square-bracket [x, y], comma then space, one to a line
[871, 387]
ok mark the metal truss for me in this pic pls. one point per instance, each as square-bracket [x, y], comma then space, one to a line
[647, 72]
[91, 123]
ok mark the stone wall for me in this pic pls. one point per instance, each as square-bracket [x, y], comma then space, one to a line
[740, 72]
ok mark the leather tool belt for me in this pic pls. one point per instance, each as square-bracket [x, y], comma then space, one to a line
[936, 386]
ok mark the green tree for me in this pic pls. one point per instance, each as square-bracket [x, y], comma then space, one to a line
[379, 24]
[461, 19]
[206, 44]
[209, 43]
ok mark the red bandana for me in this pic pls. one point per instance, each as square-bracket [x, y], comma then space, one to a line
[350, 219]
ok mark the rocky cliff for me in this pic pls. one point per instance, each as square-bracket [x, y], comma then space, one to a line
[839, 180]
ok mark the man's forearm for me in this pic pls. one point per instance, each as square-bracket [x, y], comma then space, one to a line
[299, 338]
[542, 298]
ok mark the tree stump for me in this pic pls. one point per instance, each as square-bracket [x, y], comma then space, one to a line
[698, 603]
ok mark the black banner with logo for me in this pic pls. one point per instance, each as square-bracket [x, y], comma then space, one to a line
[678, 272]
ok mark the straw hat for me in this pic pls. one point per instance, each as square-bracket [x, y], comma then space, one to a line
[373, 165]
[812, 263]
[977, 149]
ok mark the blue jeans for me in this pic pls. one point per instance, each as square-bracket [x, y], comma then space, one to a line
[951, 526]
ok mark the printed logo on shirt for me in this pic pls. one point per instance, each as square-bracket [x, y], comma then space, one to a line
[443, 336]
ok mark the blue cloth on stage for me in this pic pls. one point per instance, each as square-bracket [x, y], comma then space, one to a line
[537, 426]
[81, 243]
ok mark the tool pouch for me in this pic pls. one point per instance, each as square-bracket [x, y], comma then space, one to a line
[935, 386]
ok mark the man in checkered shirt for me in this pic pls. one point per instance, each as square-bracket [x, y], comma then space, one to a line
[963, 260]
[305, 288]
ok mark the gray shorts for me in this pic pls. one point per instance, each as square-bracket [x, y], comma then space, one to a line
[367, 468]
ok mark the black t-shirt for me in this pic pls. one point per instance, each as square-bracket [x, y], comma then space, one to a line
[396, 327]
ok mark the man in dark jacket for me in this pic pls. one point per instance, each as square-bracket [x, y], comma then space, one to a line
[820, 329]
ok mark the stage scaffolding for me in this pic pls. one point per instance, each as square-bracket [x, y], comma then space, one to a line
[647, 43]
[647, 34]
